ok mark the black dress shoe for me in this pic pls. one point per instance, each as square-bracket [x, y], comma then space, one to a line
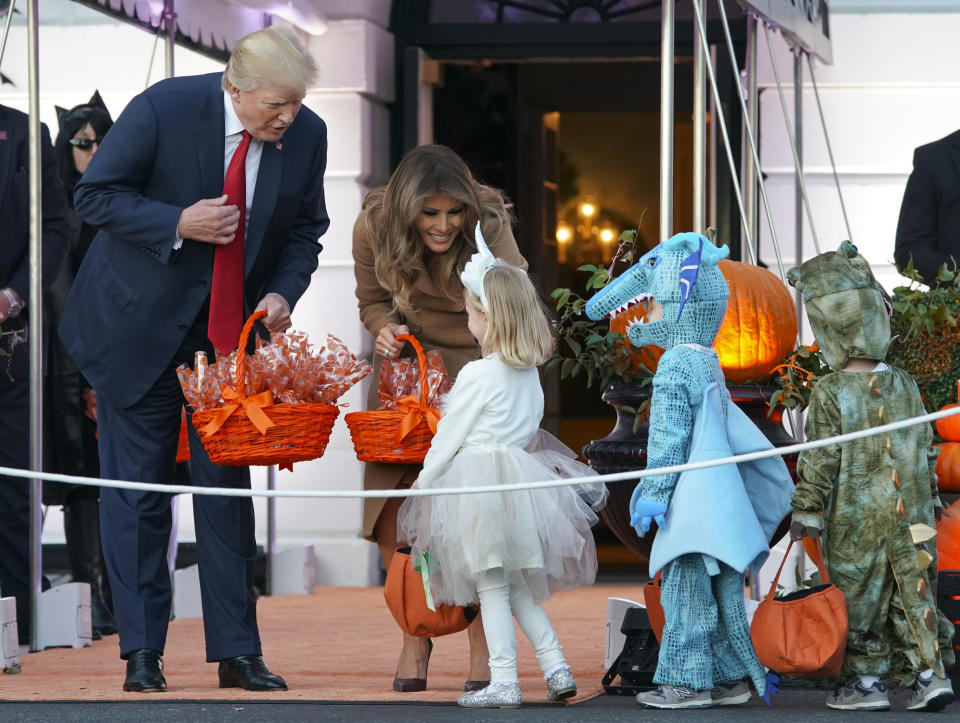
[145, 672]
[250, 673]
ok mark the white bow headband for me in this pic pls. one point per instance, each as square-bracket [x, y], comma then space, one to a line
[478, 266]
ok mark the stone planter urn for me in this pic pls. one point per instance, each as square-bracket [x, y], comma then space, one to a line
[623, 450]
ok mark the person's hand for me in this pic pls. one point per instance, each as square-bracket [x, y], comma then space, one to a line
[209, 220]
[386, 342]
[643, 512]
[89, 398]
[278, 312]
[798, 531]
[5, 304]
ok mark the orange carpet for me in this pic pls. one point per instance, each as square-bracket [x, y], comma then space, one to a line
[340, 644]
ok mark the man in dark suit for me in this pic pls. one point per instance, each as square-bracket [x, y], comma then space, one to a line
[929, 226]
[203, 185]
[14, 351]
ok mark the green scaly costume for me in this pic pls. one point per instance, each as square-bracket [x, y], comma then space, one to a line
[874, 497]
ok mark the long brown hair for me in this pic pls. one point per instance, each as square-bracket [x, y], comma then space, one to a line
[390, 214]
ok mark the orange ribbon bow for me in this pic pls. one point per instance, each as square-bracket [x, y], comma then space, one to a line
[415, 413]
[253, 406]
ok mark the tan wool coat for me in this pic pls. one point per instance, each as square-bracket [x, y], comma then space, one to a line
[435, 322]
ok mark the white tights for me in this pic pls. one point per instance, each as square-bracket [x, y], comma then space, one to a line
[501, 600]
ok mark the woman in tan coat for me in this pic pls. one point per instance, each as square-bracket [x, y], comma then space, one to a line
[410, 242]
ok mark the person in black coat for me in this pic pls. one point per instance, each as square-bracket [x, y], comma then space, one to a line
[929, 228]
[14, 351]
[69, 402]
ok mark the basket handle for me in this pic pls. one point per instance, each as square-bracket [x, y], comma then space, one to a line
[241, 375]
[820, 566]
[422, 362]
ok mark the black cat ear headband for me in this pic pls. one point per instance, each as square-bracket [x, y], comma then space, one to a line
[81, 112]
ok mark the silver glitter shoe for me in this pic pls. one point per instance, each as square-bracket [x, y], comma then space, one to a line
[561, 685]
[495, 695]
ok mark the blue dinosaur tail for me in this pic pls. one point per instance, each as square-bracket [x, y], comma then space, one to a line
[772, 686]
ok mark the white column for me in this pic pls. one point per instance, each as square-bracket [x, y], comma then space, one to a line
[355, 58]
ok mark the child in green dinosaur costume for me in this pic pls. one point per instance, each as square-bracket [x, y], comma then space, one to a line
[875, 498]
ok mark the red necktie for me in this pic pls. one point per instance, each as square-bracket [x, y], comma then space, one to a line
[226, 289]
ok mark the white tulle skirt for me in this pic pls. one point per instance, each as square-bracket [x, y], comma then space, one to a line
[544, 535]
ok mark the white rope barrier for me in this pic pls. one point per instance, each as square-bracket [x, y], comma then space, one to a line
[399, 493]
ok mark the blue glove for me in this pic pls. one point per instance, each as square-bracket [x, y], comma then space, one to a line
[643, 512]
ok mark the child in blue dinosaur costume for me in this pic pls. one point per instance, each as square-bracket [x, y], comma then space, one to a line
[715, 523]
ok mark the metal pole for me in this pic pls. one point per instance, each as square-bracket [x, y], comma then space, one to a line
[750, 171]
[826, 138]
[6, 29]
[170, 27]
[699, 131]
[35, 322]
[750, 137]
[726, 137]
[153, 54]
[793, 147]
[271, 526]
[666, 120]
[798, 135]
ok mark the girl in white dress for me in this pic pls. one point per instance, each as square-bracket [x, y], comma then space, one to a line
[506, 550]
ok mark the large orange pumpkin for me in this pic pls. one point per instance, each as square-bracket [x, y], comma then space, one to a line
[760, 328]
[757, 333]
[948, 538]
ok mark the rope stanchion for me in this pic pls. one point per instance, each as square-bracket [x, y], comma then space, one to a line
[480, 489]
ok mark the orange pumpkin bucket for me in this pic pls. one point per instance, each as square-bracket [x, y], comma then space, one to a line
[400, 435]
[407, 601]
[255, 431]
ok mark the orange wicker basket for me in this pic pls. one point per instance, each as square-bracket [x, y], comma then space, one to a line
[254, 431]
[400, 435]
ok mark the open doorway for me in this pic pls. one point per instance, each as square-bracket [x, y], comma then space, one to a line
[575, 146]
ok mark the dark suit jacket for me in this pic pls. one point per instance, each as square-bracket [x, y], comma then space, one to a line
[135, 298]
[929, 226]
[15, 207]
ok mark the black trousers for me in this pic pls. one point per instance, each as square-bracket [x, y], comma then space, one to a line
[15, 491]
[139, 443]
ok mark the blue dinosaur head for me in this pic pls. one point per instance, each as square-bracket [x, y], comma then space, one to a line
[682, 275]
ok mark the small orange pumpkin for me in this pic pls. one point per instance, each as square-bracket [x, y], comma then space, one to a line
[948, 538]
[948, 467]
[760, 327]
[949, 427]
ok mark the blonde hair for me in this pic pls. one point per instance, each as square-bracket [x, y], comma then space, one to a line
[273, 56]
[390, 215]
[518, 329]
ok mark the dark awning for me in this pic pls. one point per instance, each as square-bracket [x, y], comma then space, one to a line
[212, 27]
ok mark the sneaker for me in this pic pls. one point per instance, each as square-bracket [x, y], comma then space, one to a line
[854, 696]
[495, 695]
[933, 694]
[733, 692]
[561, 685]
[671, 696]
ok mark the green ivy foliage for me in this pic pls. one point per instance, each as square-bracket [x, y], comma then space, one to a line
[589, 347]
[926, 334]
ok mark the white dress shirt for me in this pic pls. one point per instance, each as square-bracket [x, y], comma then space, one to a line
[232, 132]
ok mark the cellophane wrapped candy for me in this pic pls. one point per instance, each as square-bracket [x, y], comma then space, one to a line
[401, 377]
[289, 366]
